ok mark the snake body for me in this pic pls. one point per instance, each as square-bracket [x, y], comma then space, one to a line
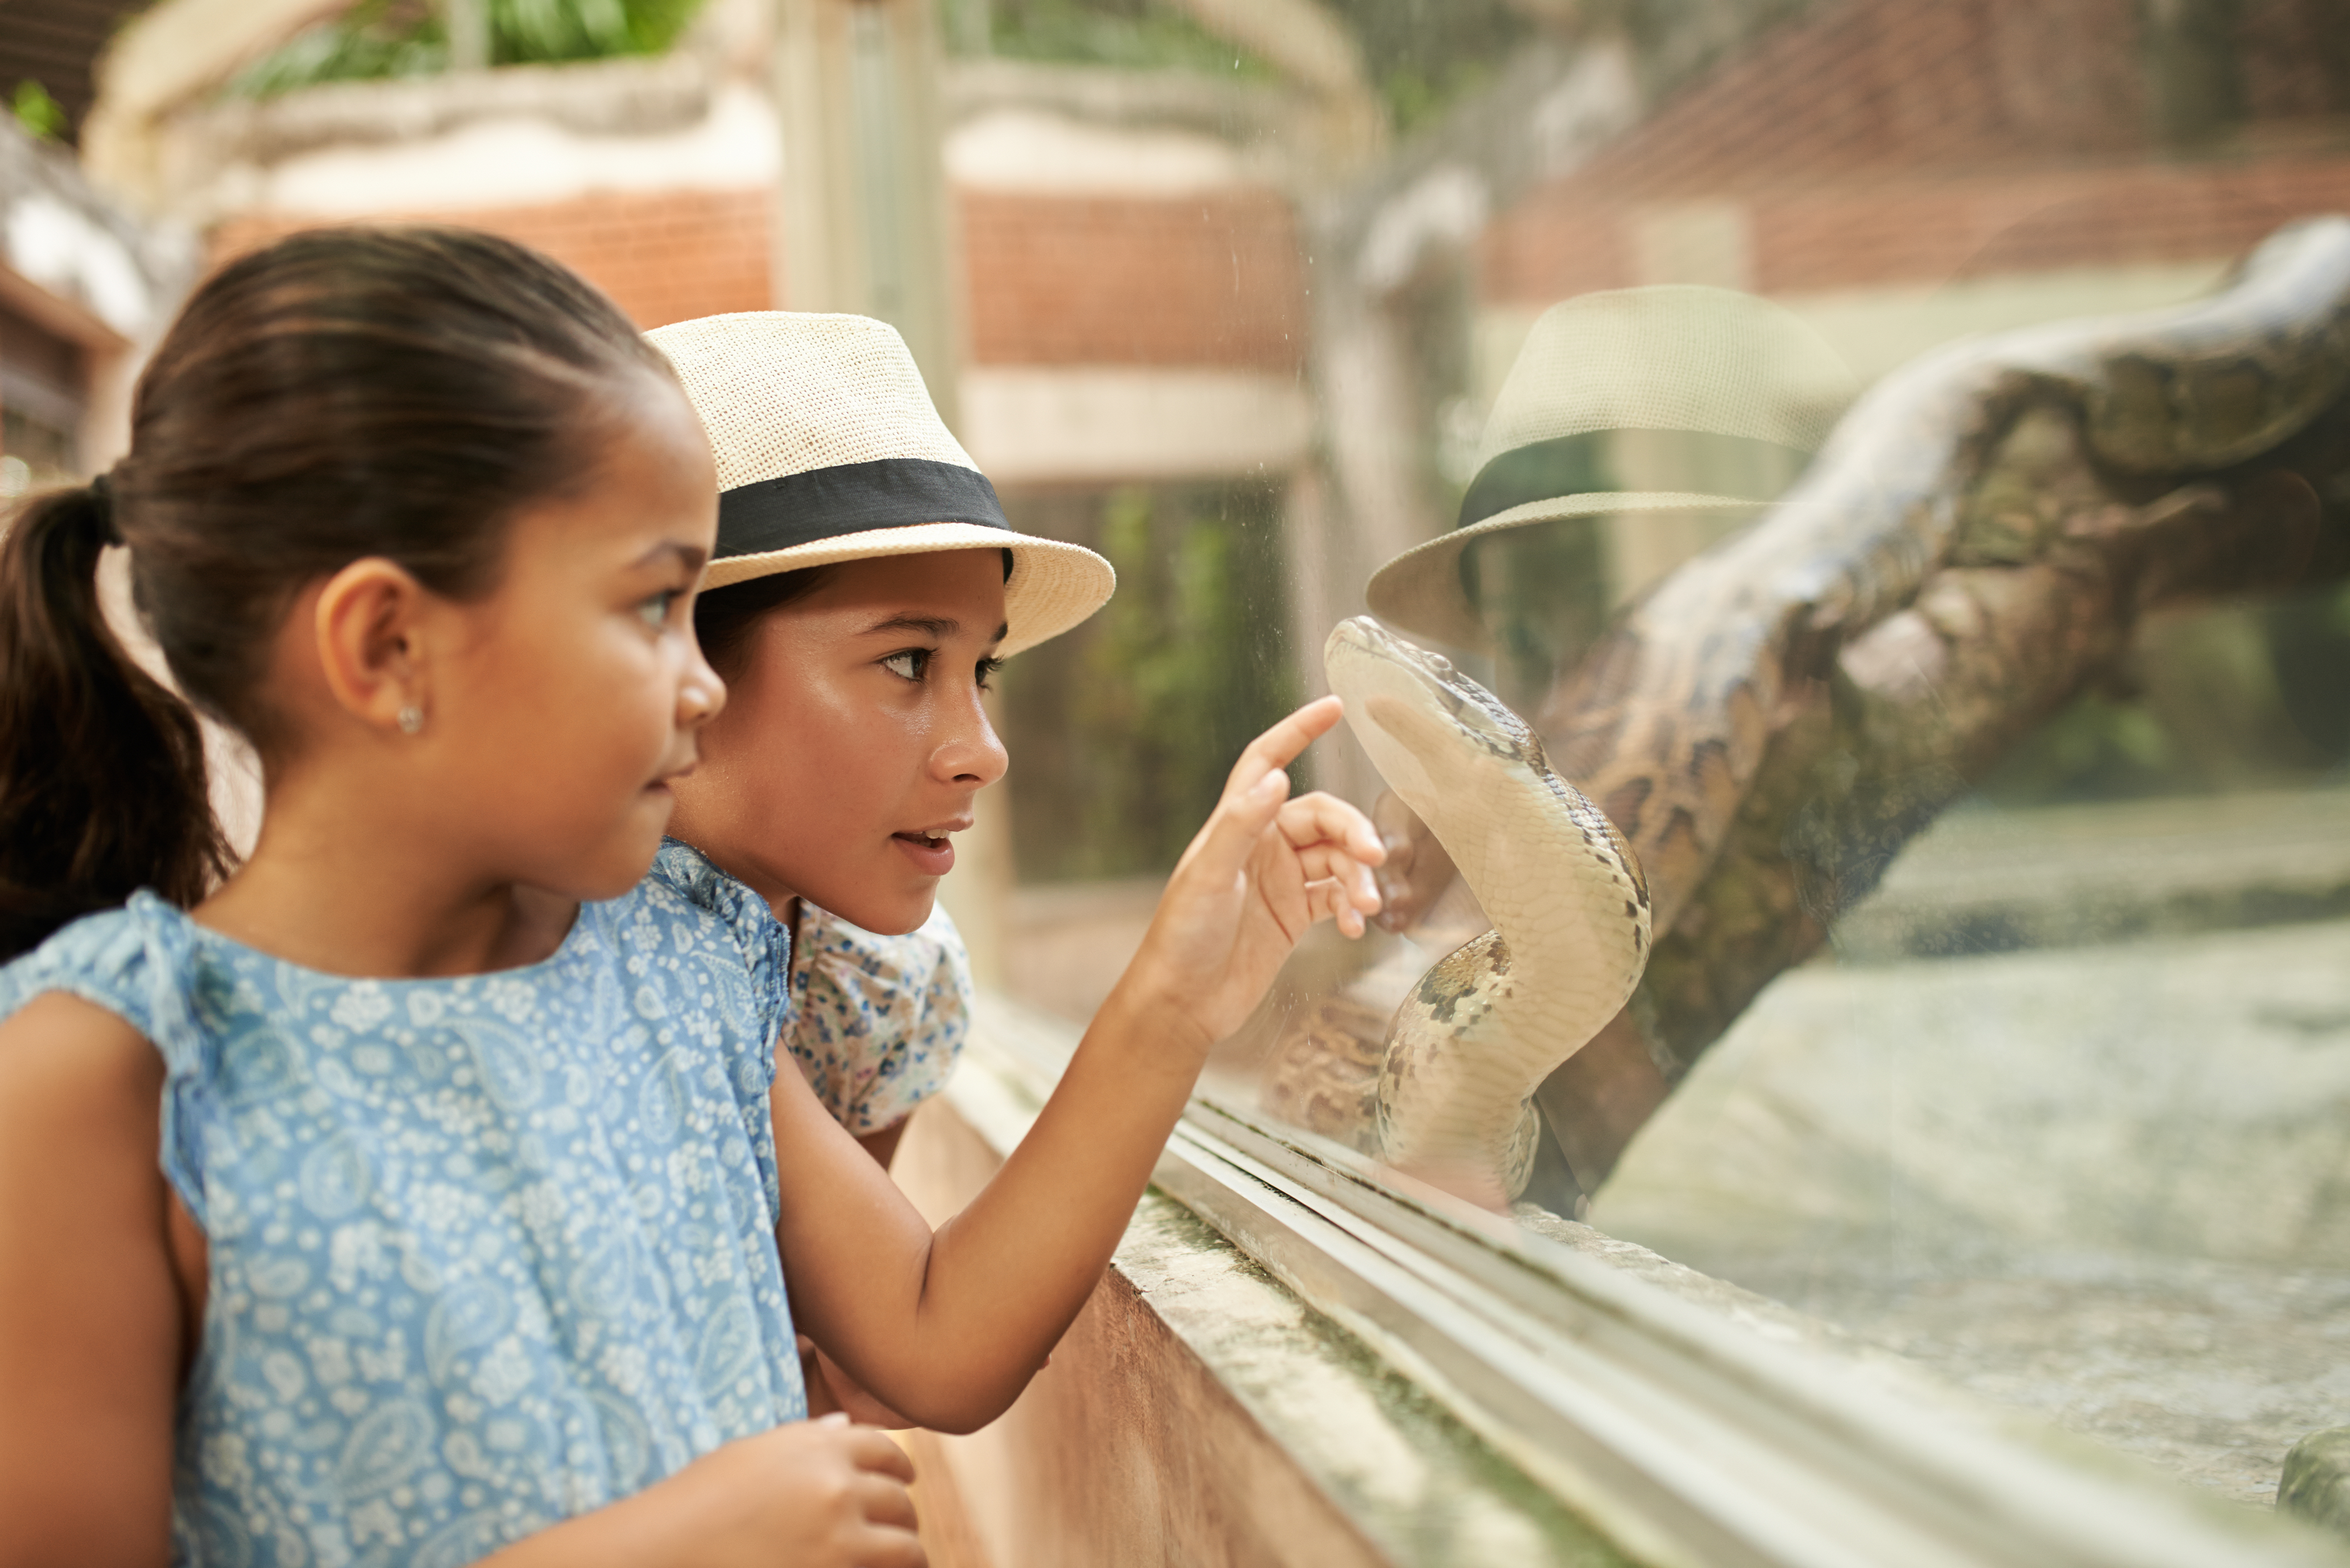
[1667, 726]
[1569, 905]
[1669, 719]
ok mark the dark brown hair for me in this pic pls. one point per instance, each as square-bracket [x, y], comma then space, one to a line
[723, 619]
[341, 394]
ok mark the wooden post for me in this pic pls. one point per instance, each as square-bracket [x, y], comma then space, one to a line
[864, 209]
[468, 25]
[866, 229]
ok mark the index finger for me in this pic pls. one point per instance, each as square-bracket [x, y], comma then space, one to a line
[1279, 746]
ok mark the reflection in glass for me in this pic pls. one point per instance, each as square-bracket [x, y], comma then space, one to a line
[1986, 767]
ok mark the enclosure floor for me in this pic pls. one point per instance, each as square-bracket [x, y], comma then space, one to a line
[2107, 1185]
[2209, 1371]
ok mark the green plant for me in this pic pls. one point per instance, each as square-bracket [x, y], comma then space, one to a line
[1421, 57]
[379, 38]
[1122, 731]
[1425, 56]
[1138, 34]
[41, 116]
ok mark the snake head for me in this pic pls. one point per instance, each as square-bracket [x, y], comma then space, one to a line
[1400, 686]
[1451, 750]
[1436, 736]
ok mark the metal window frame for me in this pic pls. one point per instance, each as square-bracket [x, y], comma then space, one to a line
[1682, 1436]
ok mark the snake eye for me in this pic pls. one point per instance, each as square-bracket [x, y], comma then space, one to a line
[1439, 663]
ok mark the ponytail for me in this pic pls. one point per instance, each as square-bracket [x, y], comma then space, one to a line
[102, 782]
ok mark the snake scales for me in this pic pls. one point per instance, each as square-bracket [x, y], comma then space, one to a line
[1484, 1026]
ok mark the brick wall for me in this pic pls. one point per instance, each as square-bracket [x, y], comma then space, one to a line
[1213, 280]
[2295, 55]
[1894, 84]
[1970, 83]
[2090, 217]
[1929, 229]
[663, 256]
[1899, 142]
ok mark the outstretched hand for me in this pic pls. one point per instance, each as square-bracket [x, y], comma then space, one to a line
[1262, 871]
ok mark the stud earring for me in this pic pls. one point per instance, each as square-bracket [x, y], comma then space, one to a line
[411, 720]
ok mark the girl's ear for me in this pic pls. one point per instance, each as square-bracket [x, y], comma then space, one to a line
[370, 629]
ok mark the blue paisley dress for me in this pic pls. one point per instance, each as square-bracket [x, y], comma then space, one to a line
[486, 1252]
[875, 1022]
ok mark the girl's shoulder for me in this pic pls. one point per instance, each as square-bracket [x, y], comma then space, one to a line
[683, 885]
[128, 961]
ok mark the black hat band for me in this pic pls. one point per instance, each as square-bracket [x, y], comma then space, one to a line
[822, 503]
[1578, 465]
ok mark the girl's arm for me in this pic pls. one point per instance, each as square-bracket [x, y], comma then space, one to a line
[830, 1387]
[92, 1323]
[949, 1328]
[883, 1145]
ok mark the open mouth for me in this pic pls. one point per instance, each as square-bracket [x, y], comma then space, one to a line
[930, 850]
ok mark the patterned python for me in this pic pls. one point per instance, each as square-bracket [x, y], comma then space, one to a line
[1668, 727]
[1569, 906]
[1669, 717]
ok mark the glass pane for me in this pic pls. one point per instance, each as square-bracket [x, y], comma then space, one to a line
[1903, 452]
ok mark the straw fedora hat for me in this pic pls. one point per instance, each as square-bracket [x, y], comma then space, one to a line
[829, 450]
[1738, 392]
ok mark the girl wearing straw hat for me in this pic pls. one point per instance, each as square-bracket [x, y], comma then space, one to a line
[865, 587]
[863, 568]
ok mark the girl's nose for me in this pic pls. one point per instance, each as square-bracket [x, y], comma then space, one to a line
[971, 754]
[699, 695]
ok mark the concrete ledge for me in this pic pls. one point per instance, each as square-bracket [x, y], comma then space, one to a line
[1361, 1357]
[1200, 1413]
[1108, 94]
[635, 96]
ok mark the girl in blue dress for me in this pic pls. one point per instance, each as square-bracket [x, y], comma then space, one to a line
[425, 1191]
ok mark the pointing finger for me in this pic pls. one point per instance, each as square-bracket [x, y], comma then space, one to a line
[1223, 847]
[1281, 745]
